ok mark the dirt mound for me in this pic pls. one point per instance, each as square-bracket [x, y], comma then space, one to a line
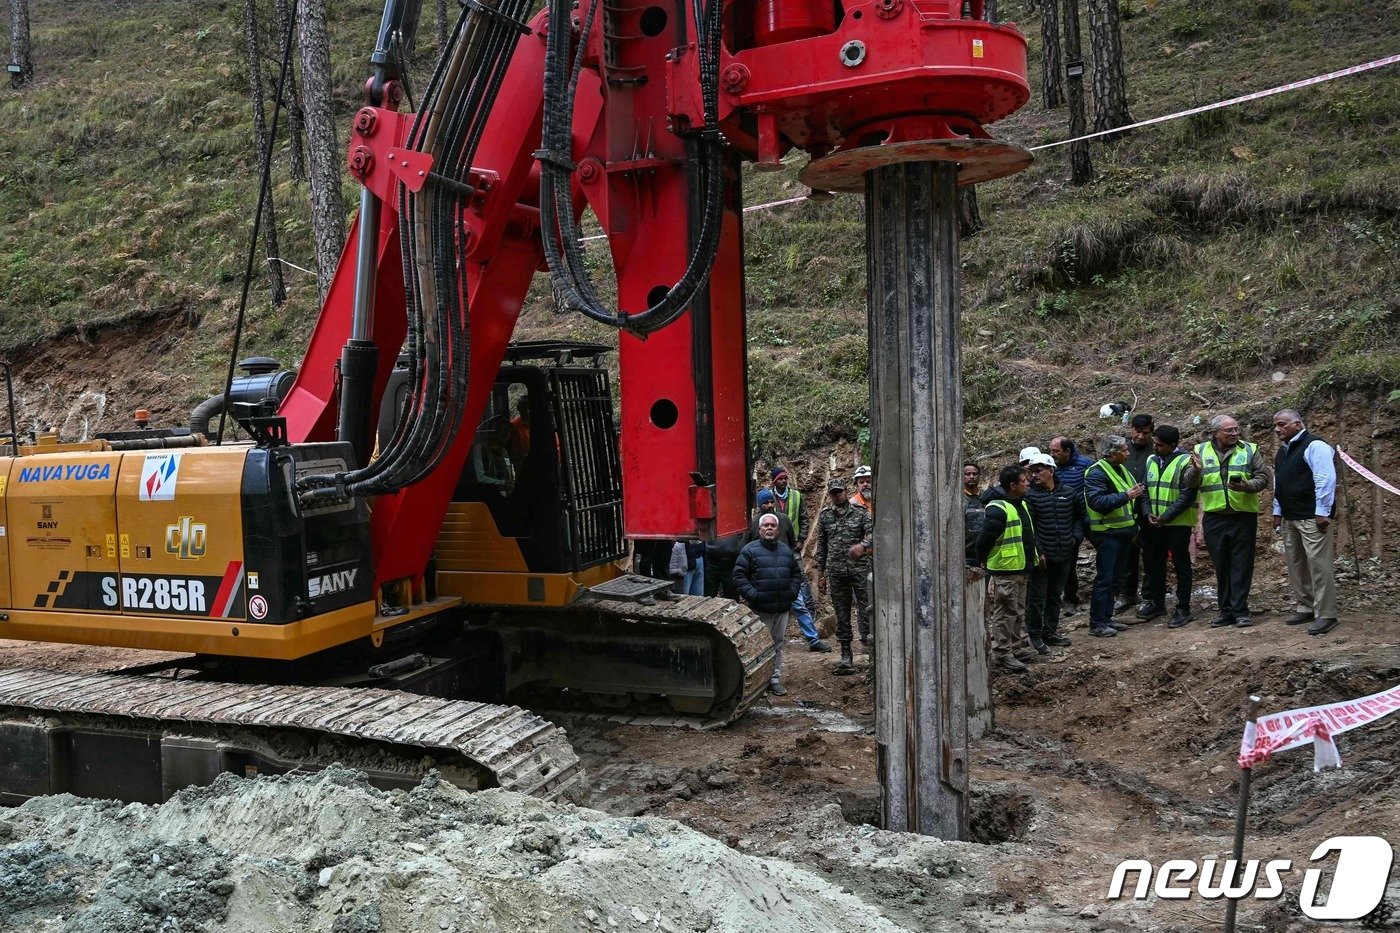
[327, 853]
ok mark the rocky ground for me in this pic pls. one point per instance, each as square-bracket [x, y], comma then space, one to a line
[1107, 750]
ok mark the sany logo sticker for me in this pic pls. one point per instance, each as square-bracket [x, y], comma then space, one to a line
[1358, 881]
[158, 476]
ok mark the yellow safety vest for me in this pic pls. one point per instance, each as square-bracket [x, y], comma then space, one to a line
[1121, 517]
[1162, 491]
[1009, 553]
[1215, 495]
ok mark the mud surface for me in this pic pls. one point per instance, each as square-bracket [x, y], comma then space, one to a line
[1110, 749]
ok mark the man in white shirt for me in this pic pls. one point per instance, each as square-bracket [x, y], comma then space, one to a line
[1305, 488]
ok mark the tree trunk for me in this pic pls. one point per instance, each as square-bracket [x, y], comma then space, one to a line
[442, 26]
[969, 217]
[276, 286]
[1110, 87]
[296, 119]
[325, 155]
[19, 44]
[1081, 170]
[991, 11]
[1052, 88]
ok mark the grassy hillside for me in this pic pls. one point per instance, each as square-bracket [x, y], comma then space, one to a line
[1208, 253]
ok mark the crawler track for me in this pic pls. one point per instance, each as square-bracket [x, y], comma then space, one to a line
[739, 663]
[504, 745]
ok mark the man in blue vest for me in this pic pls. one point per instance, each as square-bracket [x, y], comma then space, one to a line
[1229, 474]
[1170, 517]
[1110, 498]
[1305, 487]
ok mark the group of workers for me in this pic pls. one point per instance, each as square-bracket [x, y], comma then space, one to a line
[1141, 505]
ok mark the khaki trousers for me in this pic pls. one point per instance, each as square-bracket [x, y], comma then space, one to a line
[777, 623]
[1006, 613]
[1310, 568]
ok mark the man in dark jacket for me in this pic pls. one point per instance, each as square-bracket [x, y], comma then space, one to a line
[1170, 516]
[1007, 549]
[1125, 590]
[1070, 465]
[768, 505]
[973, 510]
[1058, 515]
[768, 576]
[1110, 498]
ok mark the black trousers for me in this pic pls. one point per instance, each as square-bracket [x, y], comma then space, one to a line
[718, 571]
[1159, 543]
[1230, 538]
[1127, 583]
[847, 589]
[1071, 596]
[1043, 596]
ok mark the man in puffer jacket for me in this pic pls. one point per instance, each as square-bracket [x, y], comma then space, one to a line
[1058, 515]
[768, 577]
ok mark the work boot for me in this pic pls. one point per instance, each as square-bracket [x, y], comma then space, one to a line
[1026, 656]
[1118, 626]
[847, 664]
[1039, 645]
[1322, 626]
[1243, 622]
[1179, 618]
[1149, 611]
[1121, 603]
[1222, 622]
[777, 689]
[1103, 631]
[819, 645]
[1299, 618]
[1008, 663]
[1144, 606]
[1056, 641]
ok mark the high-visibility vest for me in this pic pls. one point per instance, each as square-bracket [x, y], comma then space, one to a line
[1162, 491]
[1121, 517]
[1009, 553]
[1215, 495]
[792, 506]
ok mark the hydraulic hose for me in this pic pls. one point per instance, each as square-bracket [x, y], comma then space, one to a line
[560, 230]
[449, 127]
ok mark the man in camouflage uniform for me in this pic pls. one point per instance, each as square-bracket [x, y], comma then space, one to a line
[844, 535]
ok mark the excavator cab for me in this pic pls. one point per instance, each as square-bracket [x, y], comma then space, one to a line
[537, 510]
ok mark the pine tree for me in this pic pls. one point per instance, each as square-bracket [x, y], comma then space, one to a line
[1110, 87]
[262, 143]
[323, 148]
[19, 45]
[296, 120]
[1052, 89]
[1081, 170]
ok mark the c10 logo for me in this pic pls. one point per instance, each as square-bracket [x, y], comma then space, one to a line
[1358, 883]
[187, 540]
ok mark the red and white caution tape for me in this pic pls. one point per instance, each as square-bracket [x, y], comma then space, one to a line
[1365, 473]
[1256, 95]
[1279, 732]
